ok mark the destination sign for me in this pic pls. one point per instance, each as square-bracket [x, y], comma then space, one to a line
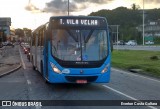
[85, 22]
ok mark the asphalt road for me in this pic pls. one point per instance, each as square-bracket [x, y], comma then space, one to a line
[127, 47]
[27, 84]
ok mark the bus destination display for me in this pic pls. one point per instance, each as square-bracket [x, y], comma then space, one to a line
[84, 22]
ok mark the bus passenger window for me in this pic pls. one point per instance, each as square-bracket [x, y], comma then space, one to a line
[42, 38]
[33, 40]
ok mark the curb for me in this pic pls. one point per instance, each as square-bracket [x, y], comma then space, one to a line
[10, 71]
[137, 72]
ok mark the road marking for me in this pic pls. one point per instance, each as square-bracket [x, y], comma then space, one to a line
[136, 75]
[23, 64]
[38, 107]
[30, 89]
[130, 97]
[29, 82]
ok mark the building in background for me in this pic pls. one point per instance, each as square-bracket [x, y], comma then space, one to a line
[14, 37]
[27, 35]
[5, 23]
[151, 30]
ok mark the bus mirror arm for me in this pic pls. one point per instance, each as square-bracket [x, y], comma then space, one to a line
[110, 36]
[72, 35]
[89, 35]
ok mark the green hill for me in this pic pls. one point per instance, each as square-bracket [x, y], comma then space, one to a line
[128, 19]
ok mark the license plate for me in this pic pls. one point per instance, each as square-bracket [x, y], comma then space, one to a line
[81, 81]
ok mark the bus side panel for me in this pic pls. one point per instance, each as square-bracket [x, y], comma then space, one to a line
[33, 50]
[33, 55]
[45, 61]
[45, 57]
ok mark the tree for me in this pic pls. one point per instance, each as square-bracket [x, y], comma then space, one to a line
[19, 32]
[128, 19]
[135, 7]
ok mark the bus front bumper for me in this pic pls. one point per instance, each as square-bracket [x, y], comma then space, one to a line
[66, 78]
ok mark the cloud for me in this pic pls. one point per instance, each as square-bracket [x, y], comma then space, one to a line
[152, 1]
[93, 1]
[61, 6]
[58, 6]
[31, 7]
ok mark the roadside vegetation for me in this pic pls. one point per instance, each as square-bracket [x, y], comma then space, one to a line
[147, 61]
[128, 20]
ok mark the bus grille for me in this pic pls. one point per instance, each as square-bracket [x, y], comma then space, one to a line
[75, 78]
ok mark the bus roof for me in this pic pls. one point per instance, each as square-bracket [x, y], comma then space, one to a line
[40, 27]
[77, 17]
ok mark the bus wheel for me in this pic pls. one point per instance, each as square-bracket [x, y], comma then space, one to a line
[47, 82]
[34, 68]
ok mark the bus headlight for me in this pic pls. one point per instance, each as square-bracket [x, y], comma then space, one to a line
[105, 68]
[54, 68]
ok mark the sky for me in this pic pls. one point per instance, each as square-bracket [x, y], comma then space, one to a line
[33, 13]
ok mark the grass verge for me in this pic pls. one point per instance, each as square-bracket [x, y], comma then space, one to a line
[130, 59]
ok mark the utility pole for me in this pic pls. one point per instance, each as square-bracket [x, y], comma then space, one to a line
[117, 32]
[117, 35]
[68, 7]
[143, 22]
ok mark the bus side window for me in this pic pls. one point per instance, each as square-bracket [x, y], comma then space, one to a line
[111, 38]
[39, 38]
[33, 40]
[42, 38]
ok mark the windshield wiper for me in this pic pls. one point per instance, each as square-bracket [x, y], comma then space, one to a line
[76, 38]
[72, 35]
[89, 36]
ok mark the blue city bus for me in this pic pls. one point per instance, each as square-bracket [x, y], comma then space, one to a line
[72, 49]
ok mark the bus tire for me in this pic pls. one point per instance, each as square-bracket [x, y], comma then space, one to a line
[34, 68]
[47, 82]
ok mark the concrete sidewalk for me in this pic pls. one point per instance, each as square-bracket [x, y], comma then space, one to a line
[10, 60]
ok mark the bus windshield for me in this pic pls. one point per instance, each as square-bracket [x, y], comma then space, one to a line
[79, 45]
